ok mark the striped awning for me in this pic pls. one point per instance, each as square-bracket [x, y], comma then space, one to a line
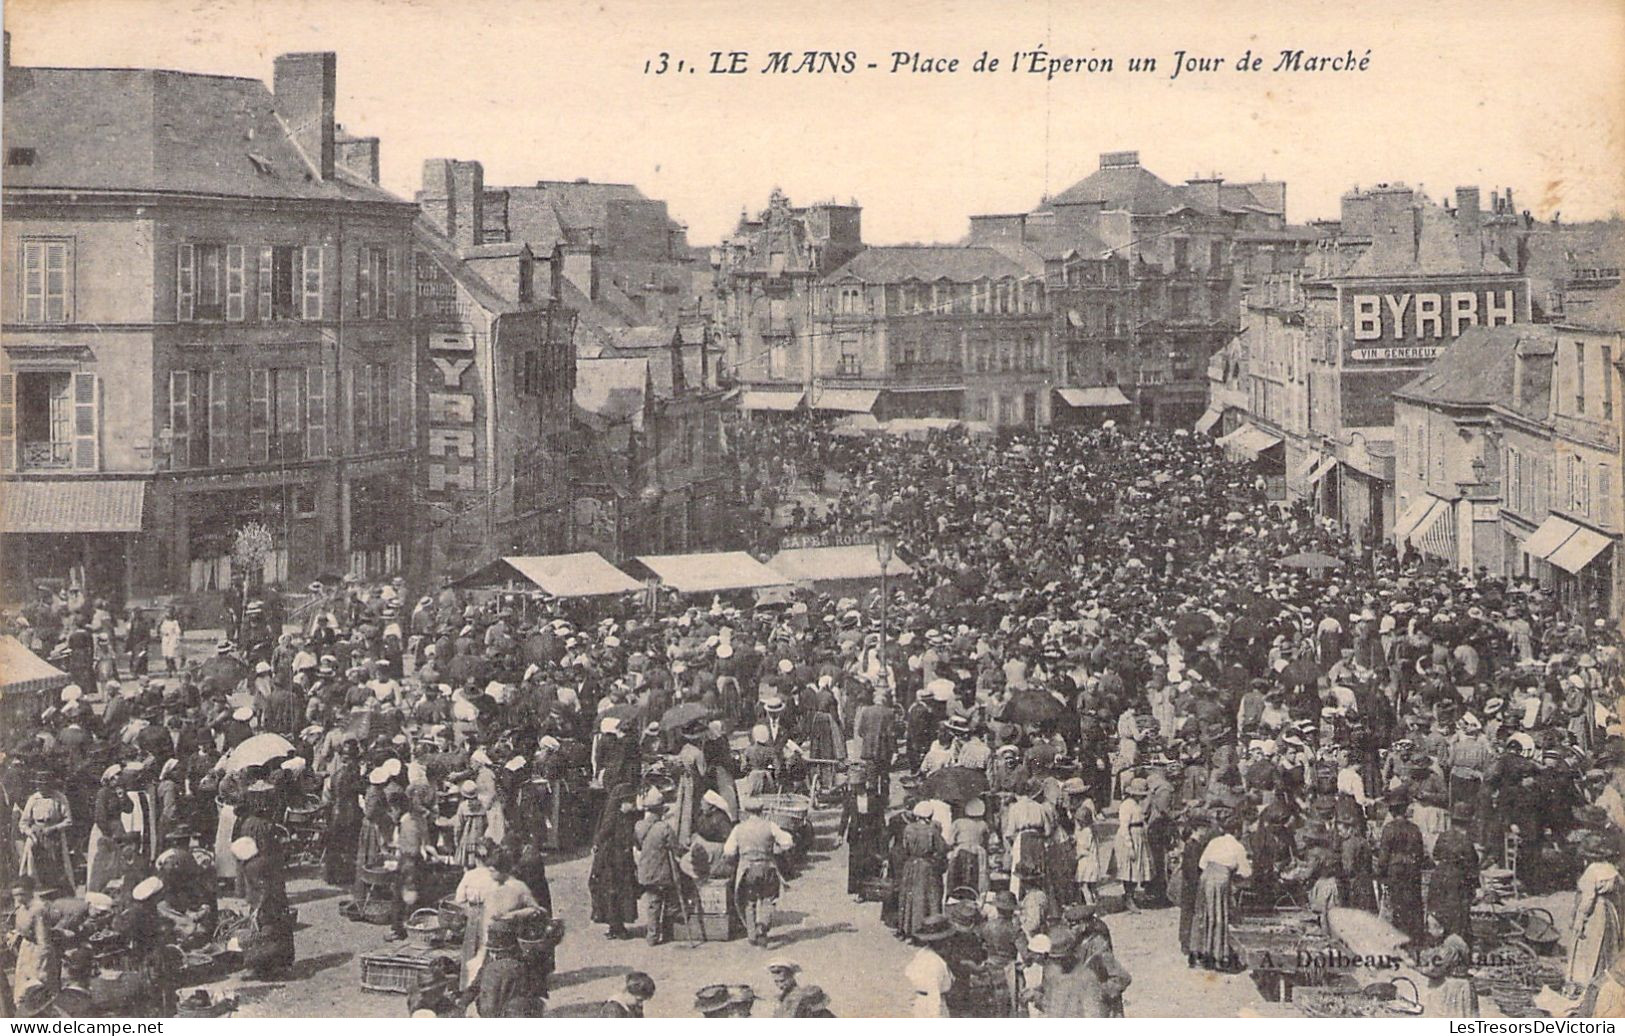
[1430, 524]
[72, 506]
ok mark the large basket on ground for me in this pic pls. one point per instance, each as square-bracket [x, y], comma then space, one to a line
[785, 809]
[395, 972]
[423, 928]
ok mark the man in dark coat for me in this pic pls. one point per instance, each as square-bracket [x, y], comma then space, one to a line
[1455, 875]
[1400, 855]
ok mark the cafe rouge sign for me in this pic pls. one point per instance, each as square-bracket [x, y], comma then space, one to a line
[1414, 321]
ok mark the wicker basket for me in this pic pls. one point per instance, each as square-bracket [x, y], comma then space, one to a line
[453, 918]
[422, 928]
[394, 972]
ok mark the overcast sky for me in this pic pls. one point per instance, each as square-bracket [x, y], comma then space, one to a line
[1488, 92]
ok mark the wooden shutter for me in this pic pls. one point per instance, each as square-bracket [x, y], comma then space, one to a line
[33, 281]
[234, 282]
[383, 412]
[363, 283]
[267, 264]
[219, 447]
[185, 285]
[389, 284]
[180, 424]
[259, 415]
[86, 417]
[8, 422]
[316, 409]
[311, 283]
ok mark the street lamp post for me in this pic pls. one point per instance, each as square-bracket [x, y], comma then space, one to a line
[885, 547]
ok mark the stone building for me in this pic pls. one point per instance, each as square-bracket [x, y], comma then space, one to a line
[209, 328]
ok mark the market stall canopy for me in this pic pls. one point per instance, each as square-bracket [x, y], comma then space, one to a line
[710, 573]
[1430, 524]
[1249, 441]
[1093, 396]
[821, 564]
[764, 399]
[23, 672]
[78, 506]
[584, 574]
[1209, 419]
[853, 401]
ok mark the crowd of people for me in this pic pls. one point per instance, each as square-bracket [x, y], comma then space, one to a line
[1118, 676]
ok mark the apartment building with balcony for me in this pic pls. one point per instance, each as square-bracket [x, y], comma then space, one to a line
[209, 327]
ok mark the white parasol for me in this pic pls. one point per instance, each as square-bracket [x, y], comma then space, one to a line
[256, 751]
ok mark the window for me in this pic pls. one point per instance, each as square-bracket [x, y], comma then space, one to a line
[47, 266]
[191, 419]
[851, 300]
[527, 282]
[316, 410]
[1180, 302]
[20, 156]
[851, 361]
[277, 278]
[1605, 499]
[371, 413]
[1580, 378]
[36, 421]
[1422, 450]
[1215, 256]
[1607, 352]
[375, 284]
[1182, 253]
[311, 293]
[278, 421]
[775, 264]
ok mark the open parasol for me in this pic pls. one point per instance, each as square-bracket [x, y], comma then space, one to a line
[1029, 707]
[256, 751]
[954, 784]
[1313, 561]
[679, 716]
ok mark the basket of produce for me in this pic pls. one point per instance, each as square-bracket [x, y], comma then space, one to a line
[786, 809]
[1513, 986]
[423, 928]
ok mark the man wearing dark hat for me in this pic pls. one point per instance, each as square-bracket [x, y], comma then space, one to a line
[1455, 875]
[721, 1001]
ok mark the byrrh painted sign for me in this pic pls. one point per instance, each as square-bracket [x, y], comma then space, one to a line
[1413, 322]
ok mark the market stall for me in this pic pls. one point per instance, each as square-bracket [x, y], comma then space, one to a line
[26, 677]
[710, 573]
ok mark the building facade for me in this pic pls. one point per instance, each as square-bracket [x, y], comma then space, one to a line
[934, 331]
[496, 376]
[764, 294]
[210, 330]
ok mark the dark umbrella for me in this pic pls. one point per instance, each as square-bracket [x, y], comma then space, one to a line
[679, 716]
[1192, 625]
[1300, 671]
[221, 674]
[954, 784]
[1030, 707]
[1313, 561]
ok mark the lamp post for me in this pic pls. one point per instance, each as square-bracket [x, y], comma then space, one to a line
[885, 547]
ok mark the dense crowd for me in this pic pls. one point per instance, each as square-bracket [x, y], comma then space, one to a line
[1117, 676]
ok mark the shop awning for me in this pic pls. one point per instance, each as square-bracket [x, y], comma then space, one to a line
[1094, 396]
[561, 575]
[710, 573]
[1413, 517]
[851, 401]
[23, 672]
[72, 506]
[1436, 535]
[1303, 471]
[1208, 421]
[1249, 441]
[1326, 465]
[758, 399]
[819, 564]
[1552, 534]
[1579, 550]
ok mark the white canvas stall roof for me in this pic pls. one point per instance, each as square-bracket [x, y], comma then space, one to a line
[1249, 440]
[815, 564]
[1552, 534]
[1579, 550]
[1210, 418]
[758, 399]
[573, 575]
[709, 573]
[23, 672]
[852, 401]
[1094, 396]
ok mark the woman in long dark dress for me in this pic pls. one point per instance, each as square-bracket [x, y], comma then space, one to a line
[612, 881]
[863, 825]
[1190, 874]
[919, 889]
[344, 791]
[1355, 874]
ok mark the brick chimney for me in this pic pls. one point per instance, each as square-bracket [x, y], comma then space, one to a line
[1467, 214]
[303, 88]
[1394, 227]
[1203, 192]
[357, 155]
[468, 187]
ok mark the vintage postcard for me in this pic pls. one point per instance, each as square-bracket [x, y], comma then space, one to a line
[963, 509]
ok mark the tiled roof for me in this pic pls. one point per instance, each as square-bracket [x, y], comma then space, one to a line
[891, 264]
[1477, 368]
[1124, 188]
[104, 129]
[1440, 248]
[583, 204]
